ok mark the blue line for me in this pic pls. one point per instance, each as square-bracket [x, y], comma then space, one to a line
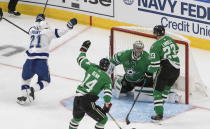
[174, 16]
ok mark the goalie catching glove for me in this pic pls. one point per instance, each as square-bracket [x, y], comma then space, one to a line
[1, 14]
[71, 23]
[85, 46]
[107, 107]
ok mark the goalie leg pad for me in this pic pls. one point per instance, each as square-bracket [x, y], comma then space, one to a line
[117, 86]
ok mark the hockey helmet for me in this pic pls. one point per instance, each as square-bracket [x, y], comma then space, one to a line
[104, 64]
[40, 17]
[159, 30]
[138, 48]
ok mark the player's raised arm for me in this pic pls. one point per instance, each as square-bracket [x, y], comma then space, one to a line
[81, 59]
[70, 25]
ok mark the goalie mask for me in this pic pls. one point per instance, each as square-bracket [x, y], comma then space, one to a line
[159, 30]
[104, 64]
[138, 48]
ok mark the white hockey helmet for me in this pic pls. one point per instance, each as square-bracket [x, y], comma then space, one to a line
[138, 48]
[43, 25]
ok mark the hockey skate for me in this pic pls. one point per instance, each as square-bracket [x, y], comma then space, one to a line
[157, 119]
[14, 13]
[28, 98]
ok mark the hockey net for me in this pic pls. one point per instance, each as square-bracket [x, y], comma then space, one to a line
[189, 85]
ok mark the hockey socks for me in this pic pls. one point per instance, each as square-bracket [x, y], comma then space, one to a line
[165, 93]
[101, 124]
[158, 102]
[40, 85]
[74, 123]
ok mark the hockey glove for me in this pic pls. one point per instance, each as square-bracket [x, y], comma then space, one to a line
[71, 23]
[107, 107]
[1, 14]
[85, 46]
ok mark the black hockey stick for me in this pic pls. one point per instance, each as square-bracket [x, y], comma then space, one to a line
[127, 117]
[114, 121]
[45, 7]
[15, 25]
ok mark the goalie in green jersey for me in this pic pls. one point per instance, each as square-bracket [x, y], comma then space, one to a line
[135, 63]
[165, 63]
[96, 80]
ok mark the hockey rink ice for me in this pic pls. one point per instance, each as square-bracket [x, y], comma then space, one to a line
[51, 108]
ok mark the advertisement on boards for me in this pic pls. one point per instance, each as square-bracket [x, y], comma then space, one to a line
[91, 7]
[189, 17]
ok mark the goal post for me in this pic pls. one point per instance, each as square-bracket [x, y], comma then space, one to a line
[122, 38]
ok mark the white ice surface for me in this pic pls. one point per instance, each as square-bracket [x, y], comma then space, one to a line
[47, 112]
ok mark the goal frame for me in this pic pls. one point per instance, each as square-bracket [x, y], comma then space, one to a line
[186, 45]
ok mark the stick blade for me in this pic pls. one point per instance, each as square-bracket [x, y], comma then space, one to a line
[127, 121]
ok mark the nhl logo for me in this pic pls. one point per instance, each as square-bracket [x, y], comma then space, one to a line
[128, 2]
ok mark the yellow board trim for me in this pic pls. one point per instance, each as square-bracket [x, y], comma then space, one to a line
[87, 20]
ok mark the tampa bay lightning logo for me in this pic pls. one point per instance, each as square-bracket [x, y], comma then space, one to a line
[128, 2]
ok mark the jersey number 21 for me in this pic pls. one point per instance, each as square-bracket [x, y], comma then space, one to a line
[35, 41]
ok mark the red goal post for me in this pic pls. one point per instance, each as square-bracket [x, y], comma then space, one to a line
[147, 33]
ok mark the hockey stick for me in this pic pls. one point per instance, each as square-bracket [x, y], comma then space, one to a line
[15, 25]
[45, 7]
[127, 117]
[114, 121]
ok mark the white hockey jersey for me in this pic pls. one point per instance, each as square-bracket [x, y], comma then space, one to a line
[40, 41]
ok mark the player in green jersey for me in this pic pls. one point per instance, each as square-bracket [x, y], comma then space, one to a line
[165, 63]
[135, 63]
[95, 81]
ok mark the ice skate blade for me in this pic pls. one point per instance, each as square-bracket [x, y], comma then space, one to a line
[158, 122]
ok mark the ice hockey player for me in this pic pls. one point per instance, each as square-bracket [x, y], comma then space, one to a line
[135, 63]
[164, 61]
[1, 14]
[37, 57]
[96, 80]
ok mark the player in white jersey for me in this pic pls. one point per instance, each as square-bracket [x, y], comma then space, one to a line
[37, 56]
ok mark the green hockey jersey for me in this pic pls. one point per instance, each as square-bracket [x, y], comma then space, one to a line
[95, 80]
[134, 68]
[163, 49]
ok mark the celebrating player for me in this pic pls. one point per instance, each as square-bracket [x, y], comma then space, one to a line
[135, 63]
[37, 57]
[96, 80]
[164, 61]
